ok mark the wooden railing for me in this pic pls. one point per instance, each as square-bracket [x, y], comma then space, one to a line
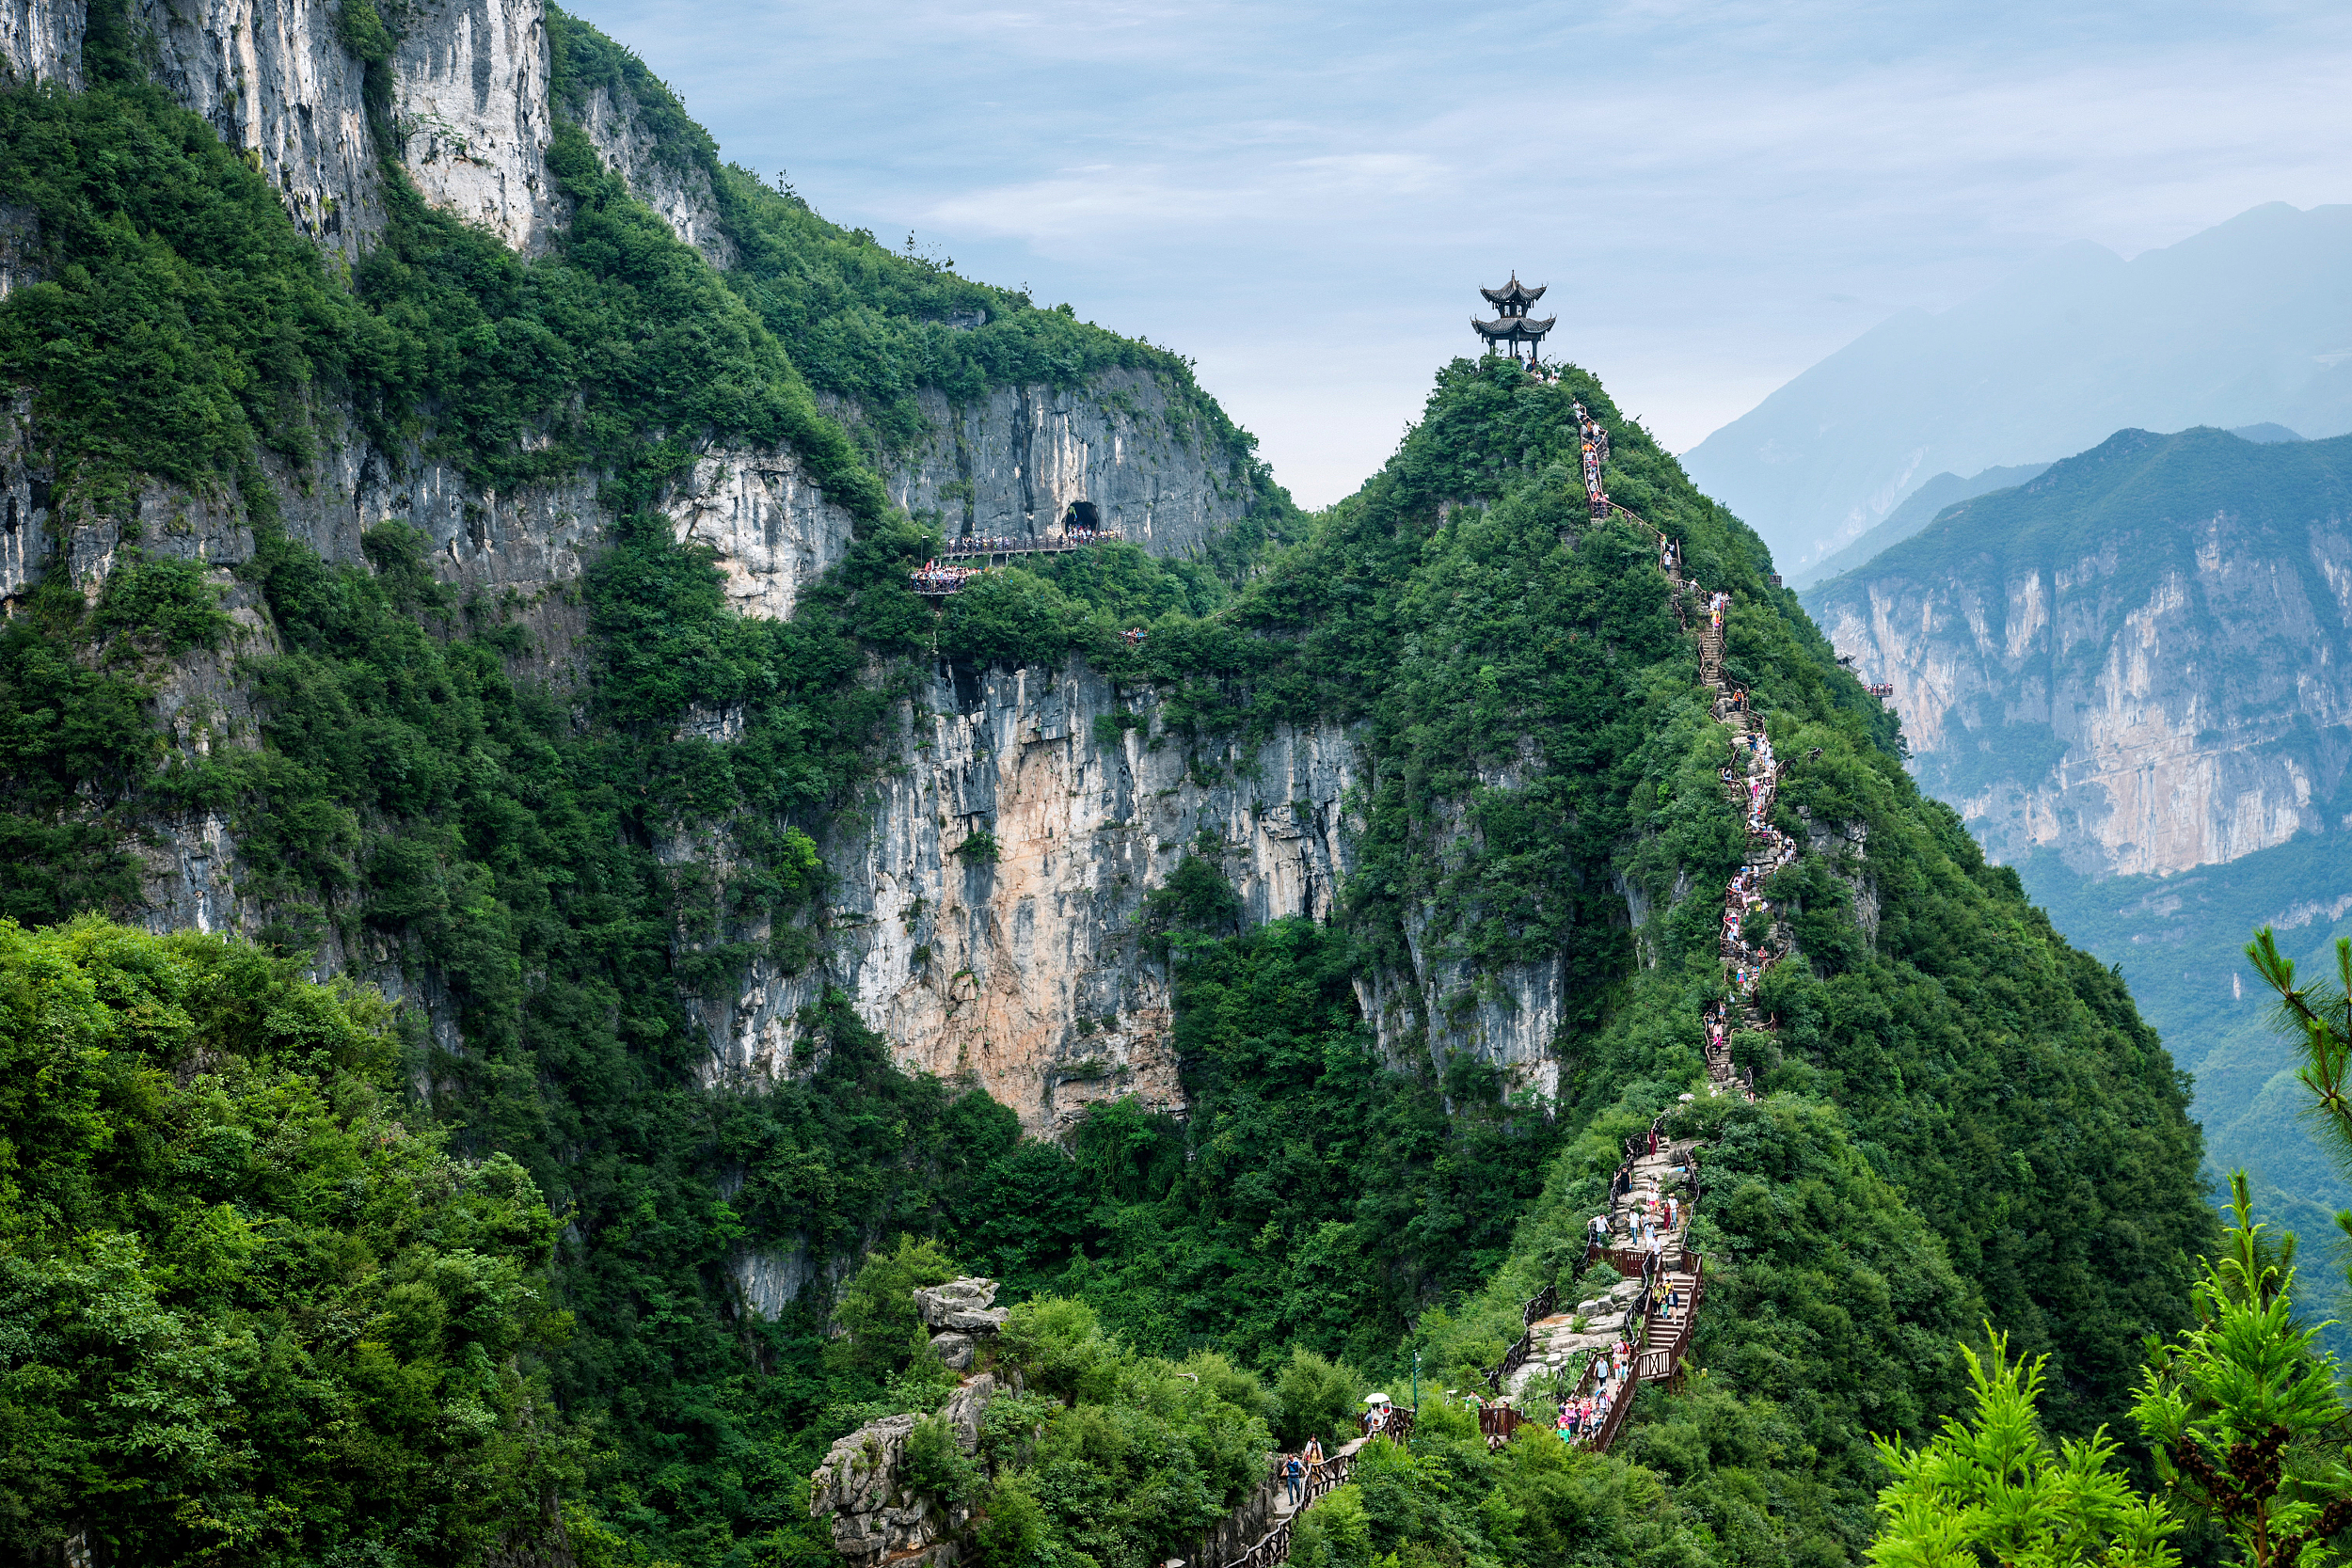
[1322, 1478]
[1542, 1305]
[1026, 545]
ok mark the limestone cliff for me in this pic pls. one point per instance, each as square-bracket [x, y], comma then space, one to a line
[40, 40]
[1015, 463]
[2137, 660]
[275, 79]
[469, 106]
[1029, 971]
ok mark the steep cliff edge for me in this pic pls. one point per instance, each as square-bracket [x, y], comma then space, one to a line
[513, 513]
[2136, 661]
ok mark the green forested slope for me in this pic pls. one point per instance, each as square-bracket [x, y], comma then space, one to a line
[1969, 1119]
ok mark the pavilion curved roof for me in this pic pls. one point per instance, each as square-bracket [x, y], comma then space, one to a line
[1515, 293]
[1513, 327]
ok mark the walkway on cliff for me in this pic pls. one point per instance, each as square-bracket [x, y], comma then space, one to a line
[934, 580]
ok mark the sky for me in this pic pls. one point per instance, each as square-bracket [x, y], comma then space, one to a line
[1302, 196]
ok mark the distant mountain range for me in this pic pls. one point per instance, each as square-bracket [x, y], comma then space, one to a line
[2132, 674]
[1920, 508]
[2248, 322]
[1928, 502]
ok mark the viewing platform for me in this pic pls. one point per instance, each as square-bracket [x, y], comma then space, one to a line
[952, 571]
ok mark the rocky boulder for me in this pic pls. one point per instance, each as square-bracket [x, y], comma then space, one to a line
[862, 1486]
[960, 1307]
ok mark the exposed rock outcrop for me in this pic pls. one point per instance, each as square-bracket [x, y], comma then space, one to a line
[877, 1515]
[275, 80]
[674, 187]
[1030, 971]
[960, 1306]
[1015, 462]
[469, 103]
[40, 40]
[771, 529]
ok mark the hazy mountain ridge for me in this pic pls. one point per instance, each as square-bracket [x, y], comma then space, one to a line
[1918, 509]
[2247, 321]
[2136, 661]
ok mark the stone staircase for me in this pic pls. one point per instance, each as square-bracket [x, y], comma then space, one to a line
[1657, 1319]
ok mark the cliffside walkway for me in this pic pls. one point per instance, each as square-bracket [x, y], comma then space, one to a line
[935, 579]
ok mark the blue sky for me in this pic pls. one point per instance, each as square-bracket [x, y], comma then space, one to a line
[1302, 196]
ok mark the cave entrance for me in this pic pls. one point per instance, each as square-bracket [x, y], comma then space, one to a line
[1080, 520]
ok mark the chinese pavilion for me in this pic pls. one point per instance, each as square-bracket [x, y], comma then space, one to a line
[1513, 325]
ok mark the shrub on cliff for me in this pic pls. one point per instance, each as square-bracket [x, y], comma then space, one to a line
[246, 1315]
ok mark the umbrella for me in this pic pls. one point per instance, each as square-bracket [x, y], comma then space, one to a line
[1376, 1399]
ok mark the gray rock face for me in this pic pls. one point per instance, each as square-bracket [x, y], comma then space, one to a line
[2167, 691]
[1508, 1016]
[40, 40]
[955, 1350]
[276, 83]
[961, 1306]
[1030, 971]
[772, 531]
[863, 1488]
[681, 193]
[469, 105]
[1015, 462]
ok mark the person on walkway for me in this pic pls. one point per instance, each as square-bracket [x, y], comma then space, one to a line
[1295, 1478]
[1314, 1454]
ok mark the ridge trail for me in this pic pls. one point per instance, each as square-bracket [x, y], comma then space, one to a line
[1663, 1282]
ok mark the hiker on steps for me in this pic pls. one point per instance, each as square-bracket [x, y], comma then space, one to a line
[1295, 1478]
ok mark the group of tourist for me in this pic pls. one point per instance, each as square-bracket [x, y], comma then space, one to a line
[1595, 442]
[1071, 537]
[1297, 1467]
[932, 577]
[989, 543]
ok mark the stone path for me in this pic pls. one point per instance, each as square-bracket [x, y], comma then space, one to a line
[1660, 1337]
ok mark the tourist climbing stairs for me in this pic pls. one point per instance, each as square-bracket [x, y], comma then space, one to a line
[1639, 1329]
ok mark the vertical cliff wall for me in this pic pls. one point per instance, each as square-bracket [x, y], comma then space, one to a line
[2137, 661]
[1014, 463]
[275, 79]
[469, 105]
[40, 40]
[1031, 970]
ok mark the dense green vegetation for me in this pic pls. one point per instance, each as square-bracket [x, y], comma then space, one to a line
[251, 1314]
[857, 318]
[1968, 1118]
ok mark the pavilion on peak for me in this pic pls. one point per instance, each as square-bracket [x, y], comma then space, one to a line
[1512, 325]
